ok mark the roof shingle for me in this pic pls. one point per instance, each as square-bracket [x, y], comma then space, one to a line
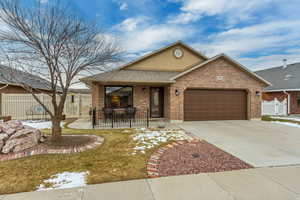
[133, 76]
[282, 78]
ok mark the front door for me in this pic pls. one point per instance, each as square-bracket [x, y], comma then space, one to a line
[156, 102]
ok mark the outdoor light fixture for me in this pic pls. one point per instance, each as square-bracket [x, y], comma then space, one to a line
[177, 92]
[257, 93]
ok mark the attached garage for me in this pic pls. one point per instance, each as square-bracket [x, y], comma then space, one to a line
[215, 104]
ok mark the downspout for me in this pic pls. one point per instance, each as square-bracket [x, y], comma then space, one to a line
[288, 101]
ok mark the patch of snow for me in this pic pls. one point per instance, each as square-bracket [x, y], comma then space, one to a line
[39, 124]
[147, 139]
[287, 118]
[288, 124]
[65, 180]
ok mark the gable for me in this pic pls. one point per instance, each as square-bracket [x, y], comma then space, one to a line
[219, 73]
[220, 64]
[166, 61]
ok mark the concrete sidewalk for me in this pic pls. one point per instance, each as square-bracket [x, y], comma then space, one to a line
[260, 183]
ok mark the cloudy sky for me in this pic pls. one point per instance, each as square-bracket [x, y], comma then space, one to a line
[258, 33]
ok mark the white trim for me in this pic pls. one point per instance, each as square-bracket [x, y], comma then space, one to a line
[282, 90]
[215, 58]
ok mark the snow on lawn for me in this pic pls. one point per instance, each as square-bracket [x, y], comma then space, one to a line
[39, 124]
[64, 180]
[147, 139]
[287, 118]
[288, 124]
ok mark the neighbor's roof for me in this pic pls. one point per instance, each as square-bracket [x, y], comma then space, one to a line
[282, 78]
[133, 76]
[27, 78]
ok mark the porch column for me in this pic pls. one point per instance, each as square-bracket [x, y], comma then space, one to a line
[97, 96]
[141, 98]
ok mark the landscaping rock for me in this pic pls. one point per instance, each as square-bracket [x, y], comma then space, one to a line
[15, 137]
[3, 136]
[1, 144]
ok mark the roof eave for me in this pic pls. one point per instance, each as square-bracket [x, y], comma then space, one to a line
[130, 82]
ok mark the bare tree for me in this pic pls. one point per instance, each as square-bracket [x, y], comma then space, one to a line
[55, 44]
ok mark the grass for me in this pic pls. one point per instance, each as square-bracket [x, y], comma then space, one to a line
[112, 161]
[269, 118]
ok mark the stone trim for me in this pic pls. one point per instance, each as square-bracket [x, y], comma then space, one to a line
[154, 160]
[39, 150]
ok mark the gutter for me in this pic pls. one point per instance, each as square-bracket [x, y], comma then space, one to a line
[288, 101]
[282, 90]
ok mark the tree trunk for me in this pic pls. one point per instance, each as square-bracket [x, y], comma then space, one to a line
[56, 130]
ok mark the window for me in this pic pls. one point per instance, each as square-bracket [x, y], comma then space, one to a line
[118, 97]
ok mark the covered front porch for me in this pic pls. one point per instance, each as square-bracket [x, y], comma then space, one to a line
[130, 105]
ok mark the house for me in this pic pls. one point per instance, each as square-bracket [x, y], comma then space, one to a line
[17, 102]
[8, 84]
[179, 83]
[285, 85]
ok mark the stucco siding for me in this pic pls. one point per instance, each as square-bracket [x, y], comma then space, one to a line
[166, 61]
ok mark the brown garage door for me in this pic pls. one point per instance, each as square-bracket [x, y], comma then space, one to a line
[215, 105]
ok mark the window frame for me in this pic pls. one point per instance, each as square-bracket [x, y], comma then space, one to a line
[106, 86]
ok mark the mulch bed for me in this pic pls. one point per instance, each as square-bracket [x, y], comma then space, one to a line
[69, 141]
[195, 157]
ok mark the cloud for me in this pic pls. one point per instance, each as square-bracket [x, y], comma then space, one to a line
[274, 60]
[259, 38]
[235, 10]
[183, 18]
[130, 24]
[123, 6]
[154, 36]
[43, 1]
[141, 34]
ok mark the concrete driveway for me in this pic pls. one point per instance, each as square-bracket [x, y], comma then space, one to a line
[255, 142]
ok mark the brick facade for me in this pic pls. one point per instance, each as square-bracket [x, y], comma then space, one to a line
[294, 96]
[204, 77]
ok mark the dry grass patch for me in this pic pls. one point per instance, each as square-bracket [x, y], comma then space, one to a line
[270, 119]
[112, 161]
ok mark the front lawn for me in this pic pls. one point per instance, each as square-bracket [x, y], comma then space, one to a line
[116, 159]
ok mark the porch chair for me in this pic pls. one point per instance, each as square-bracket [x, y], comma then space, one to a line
[130, 113]
[108, 113]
